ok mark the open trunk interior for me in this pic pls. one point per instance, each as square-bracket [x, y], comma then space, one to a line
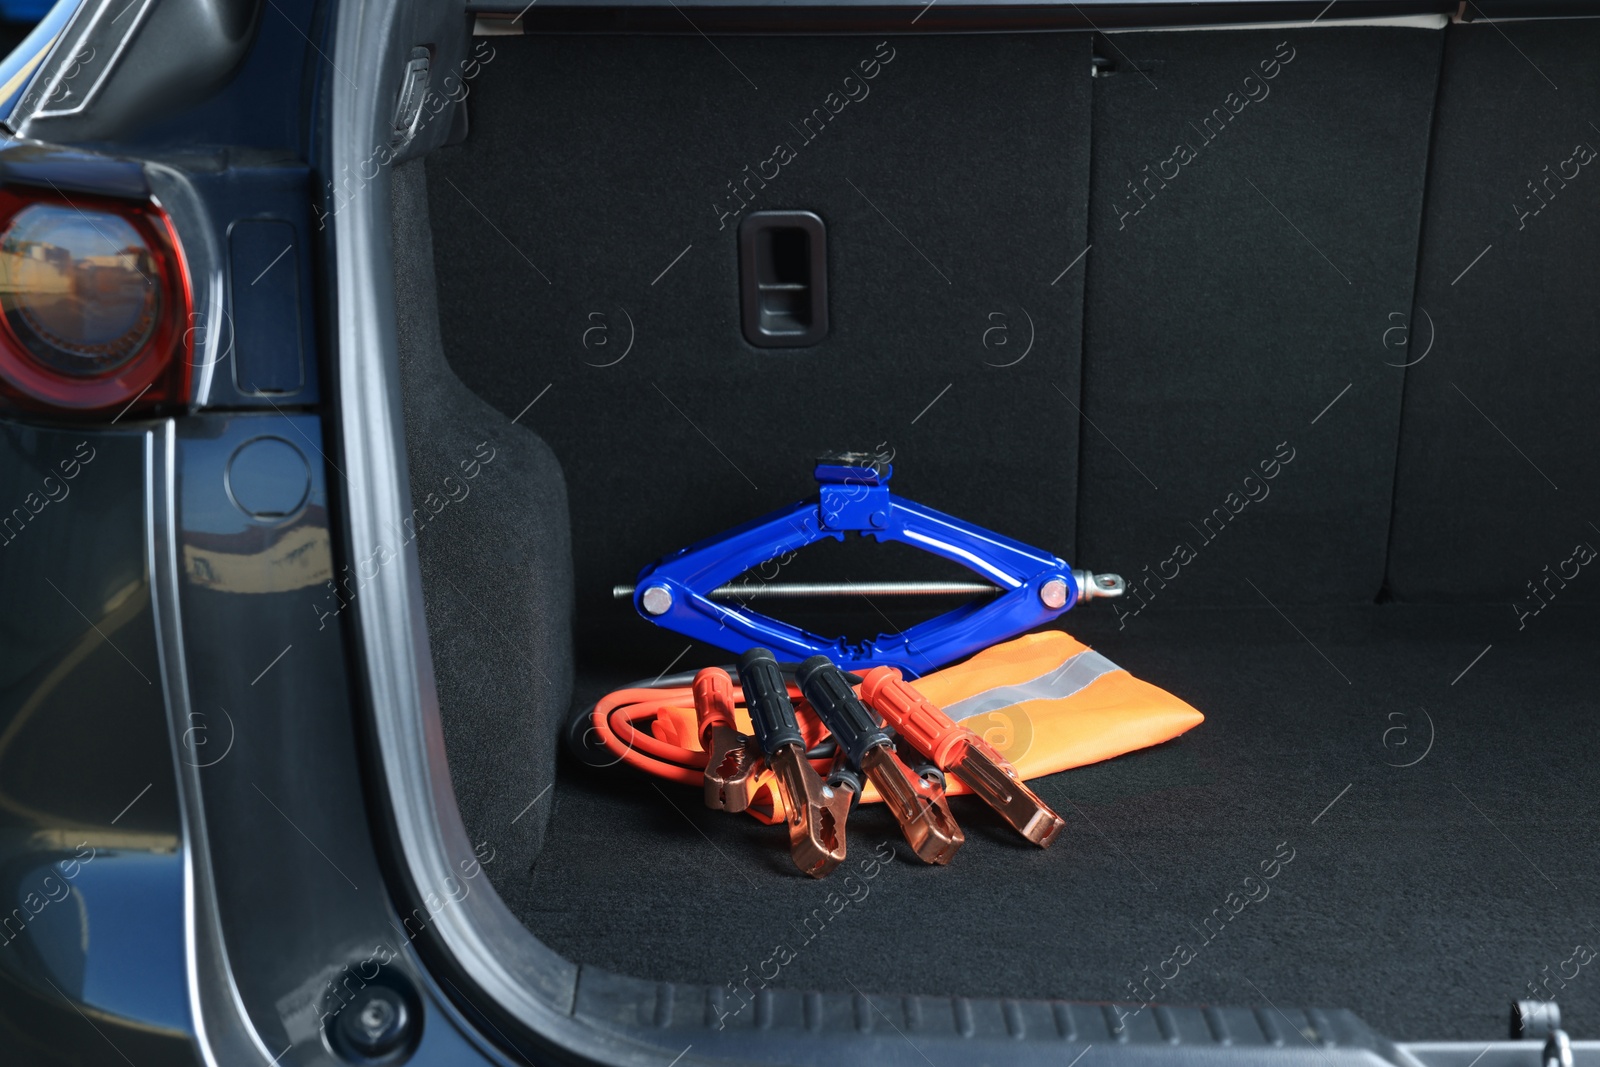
[1081, 285]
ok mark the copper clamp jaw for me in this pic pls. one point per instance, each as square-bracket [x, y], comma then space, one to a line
[815, 811]
[732, 760]
[958, 750]
[917, 804]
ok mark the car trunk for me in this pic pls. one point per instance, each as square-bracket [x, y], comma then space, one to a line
[1086, 288]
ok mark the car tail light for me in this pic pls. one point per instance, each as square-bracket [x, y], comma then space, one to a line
[94, 304]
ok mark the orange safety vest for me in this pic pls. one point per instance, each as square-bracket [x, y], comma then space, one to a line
[1048, 703]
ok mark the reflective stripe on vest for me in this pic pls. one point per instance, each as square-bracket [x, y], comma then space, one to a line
[1058, 683]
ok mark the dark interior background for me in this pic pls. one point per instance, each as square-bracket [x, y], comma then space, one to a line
[1499, 470]
[1243, 298]
[600, 159]
[1342, 272]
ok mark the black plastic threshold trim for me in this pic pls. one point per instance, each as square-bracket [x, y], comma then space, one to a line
[826, 1029]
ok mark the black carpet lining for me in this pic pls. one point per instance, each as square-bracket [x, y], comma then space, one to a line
[1424, 897]
[1222, 331]
[954, 191]
[1253, 214]
[1500, 458]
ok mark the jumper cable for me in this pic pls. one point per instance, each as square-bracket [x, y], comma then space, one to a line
[732, 761]
[816, 811]
[956, 749]
[917, 803]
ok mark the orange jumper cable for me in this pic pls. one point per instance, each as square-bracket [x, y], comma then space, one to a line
[956, 749]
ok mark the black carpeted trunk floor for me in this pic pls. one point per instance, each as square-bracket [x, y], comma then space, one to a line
[1423, 897]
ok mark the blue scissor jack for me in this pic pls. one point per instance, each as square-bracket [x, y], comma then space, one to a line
[1026, 587]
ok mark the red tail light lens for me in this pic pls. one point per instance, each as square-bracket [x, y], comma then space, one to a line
[94, 298]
